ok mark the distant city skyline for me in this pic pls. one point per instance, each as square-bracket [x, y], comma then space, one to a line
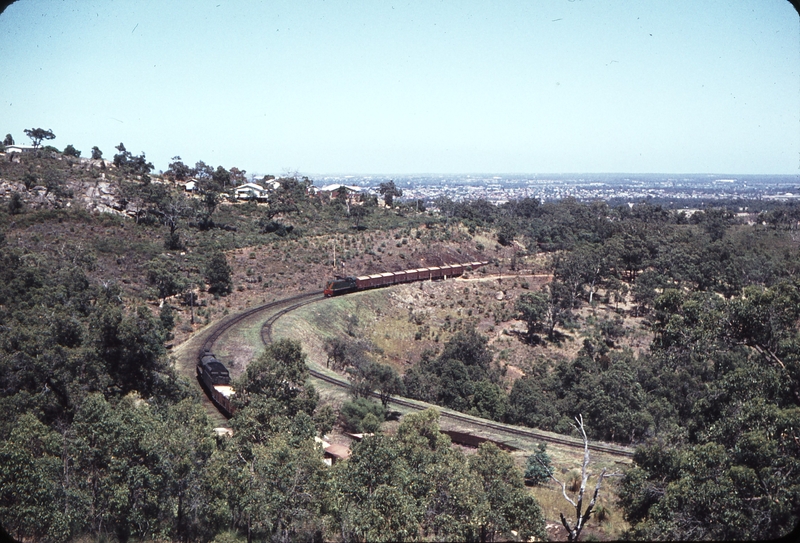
[454, 87]
[678, 191]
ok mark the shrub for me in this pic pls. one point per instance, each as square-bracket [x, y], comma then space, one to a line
[16, 205]
[70, 150]
[539, 467]
[574, 481]
[612, 328]
[30, 180]
[173, 242]
[361, 414]
[602, 513]
[218, 275]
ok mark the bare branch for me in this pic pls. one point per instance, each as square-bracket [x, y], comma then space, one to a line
[764, 351]
[582, 516]
[566, 525]
[563, 490]
[590, 508]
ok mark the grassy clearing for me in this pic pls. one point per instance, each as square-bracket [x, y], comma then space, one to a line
[239, 345]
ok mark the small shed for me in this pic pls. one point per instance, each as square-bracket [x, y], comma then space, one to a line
[335, 453]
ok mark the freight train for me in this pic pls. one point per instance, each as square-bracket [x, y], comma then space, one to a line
[214, 377]
[343, 285]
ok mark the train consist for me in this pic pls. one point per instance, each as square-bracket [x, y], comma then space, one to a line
[214, 377]
[351, 284]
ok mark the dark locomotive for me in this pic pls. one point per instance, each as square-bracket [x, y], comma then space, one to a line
[216, 380]
[343, 285]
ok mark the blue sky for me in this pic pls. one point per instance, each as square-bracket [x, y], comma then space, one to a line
[547, 86]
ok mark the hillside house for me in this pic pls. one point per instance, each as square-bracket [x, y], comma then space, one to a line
[19, 149]
[331, 192]
[332, 453]
[251, 191]
[335, 453]
[271, 184]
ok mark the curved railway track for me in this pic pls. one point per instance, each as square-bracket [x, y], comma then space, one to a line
[296, 302]
[230, 323]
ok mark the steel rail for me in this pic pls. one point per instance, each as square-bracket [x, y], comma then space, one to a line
[266, 338]
[305, 299]
[225, 325]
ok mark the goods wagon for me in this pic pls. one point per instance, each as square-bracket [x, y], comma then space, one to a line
[343, 285]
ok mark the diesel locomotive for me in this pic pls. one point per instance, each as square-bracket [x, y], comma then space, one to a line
[216, 379]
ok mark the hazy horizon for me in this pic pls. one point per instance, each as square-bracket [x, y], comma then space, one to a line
[523, 174]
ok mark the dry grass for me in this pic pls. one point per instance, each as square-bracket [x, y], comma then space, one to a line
[568, 470]
[404, 321]
[605, 524]
[383, 313]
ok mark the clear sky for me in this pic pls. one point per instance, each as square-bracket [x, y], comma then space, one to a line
[547, 86]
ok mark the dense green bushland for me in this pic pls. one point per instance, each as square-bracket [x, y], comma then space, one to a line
[716, 400]
[719, 387]
[101, 437]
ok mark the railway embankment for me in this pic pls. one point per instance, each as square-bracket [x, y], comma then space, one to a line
[309, 324]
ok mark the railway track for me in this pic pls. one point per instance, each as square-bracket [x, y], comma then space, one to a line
[230, 323]
[295, 302]
[266, 338]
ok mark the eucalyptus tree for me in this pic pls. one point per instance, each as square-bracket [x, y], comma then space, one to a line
[505, 506]
[389, 191]
[37, 135]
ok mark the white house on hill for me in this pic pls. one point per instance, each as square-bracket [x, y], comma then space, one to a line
[271, 184]
[250, 191]
[19, 148]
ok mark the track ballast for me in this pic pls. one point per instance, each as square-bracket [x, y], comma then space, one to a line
[295, 302]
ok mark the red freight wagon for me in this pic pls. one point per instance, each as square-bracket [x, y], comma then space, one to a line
[343, 285]
[387, 278]
[367, 281]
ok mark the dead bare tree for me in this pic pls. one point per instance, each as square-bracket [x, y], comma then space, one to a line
[581, 515]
